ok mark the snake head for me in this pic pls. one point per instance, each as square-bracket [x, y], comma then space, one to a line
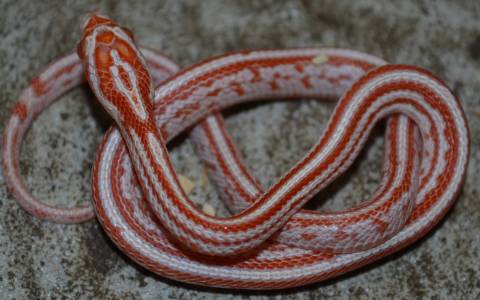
[115, 69]
[93, 21]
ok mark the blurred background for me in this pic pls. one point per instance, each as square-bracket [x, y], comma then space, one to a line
[44, 260]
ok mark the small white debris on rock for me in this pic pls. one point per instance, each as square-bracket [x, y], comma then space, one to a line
[204, 178]
[318, 60]
[208, 209]
[186, 184]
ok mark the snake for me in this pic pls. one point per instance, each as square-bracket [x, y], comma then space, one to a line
[269, 241]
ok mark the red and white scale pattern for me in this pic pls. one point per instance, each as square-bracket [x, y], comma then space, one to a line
[269, 242]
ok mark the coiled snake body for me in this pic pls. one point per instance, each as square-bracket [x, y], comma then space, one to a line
[269, 242]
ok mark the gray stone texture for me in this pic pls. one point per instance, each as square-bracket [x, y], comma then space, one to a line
[44, 260]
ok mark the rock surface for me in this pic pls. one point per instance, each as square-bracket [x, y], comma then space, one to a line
[43, 260]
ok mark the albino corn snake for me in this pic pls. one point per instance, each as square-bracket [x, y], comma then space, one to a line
[307, 246]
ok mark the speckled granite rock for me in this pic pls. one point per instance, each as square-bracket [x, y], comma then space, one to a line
[45, 260]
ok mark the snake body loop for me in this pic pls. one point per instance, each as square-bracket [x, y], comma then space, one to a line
[269, 242]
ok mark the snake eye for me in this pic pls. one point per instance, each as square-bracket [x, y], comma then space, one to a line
[128, 32]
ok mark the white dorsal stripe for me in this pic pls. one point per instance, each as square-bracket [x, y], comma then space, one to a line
[133, 95]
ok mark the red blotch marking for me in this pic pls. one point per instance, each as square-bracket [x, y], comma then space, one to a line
[336, 80]
[308, 236]
[20, 109]
[208, 83]
[38, 86]
[214, 93]
[237, 88]
[306, 82]
[381, 225]
[256, 75]
[341, 235]
[273, 85]
[64, 70]
[299, 68]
